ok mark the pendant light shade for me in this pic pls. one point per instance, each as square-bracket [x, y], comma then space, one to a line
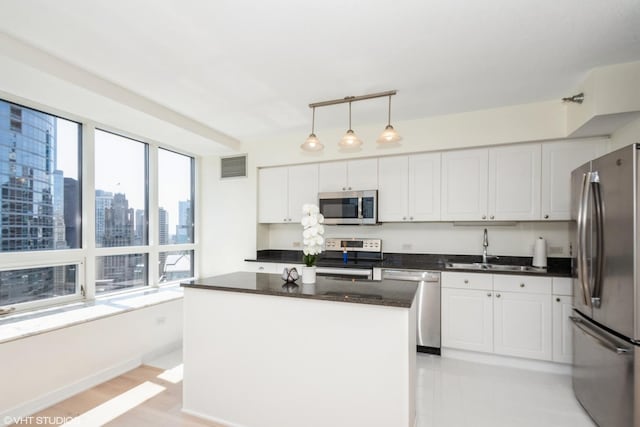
[312, 143]
[350, 139]
[389, 134]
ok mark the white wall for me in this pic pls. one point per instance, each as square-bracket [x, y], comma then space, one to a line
[626, 135]
[44, 369]
[441, 238]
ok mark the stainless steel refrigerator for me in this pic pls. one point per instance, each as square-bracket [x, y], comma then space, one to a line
[606, 294]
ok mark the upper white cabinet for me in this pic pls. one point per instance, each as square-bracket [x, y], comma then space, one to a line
[350, 175]
[514, 182]
[464, 185]
[494, 184]
[283, 191]
[409, 188]
[558, 160]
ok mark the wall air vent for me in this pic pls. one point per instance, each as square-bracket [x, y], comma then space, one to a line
[233, 167]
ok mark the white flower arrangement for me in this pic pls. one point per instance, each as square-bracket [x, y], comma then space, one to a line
[312, 238]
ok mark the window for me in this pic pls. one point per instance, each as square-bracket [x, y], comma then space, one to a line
[121, 210]
[41, 211]
[40, 201]
[175, 197]
[121, 191]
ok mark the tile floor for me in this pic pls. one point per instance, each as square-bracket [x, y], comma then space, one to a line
[456, 393]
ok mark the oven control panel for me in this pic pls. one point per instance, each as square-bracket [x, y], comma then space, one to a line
[353, 245]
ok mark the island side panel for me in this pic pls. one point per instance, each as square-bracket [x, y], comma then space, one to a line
[268, 361]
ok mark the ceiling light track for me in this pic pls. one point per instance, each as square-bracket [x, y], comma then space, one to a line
[350, 141]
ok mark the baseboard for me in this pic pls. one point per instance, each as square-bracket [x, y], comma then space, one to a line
[161, 351]
[512, 362]
[14, 414]
[210, 418]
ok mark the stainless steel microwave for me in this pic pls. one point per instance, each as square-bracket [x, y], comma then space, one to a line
[349, 207]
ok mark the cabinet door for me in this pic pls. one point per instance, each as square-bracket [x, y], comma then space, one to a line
[467, 319]
[522, 325]
[332, 176]
[272, 195]
[424, 187]
[464, 185]
[393, 175]
[303, 188]
[559, 159]
[362, 174]
[562, 334]
[514, 182]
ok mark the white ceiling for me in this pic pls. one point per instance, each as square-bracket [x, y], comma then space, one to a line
[250, 68]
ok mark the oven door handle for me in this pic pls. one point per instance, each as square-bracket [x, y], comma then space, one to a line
[355, 272]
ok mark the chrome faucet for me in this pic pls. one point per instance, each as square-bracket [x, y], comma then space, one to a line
[485, 245]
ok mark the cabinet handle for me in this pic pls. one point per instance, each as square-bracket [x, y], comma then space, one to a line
[522, 285]
[546, 217]
[285, 220]
[404, 218]
[466, 281]
[260, 268]
[558, 299]
[497, 295]
[491, 217]
[344, 188]
[349, 188]
[484, 217]
[411, 218]
[488, 294]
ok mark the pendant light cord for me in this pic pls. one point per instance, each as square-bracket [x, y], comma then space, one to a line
[313, 121]
[389, 120]
[349, 115]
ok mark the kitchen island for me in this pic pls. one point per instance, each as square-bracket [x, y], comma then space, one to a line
[259, 352]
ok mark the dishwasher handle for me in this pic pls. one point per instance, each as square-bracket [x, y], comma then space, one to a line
[412, 275]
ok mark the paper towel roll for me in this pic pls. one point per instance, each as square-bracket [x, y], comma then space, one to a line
[540, 253]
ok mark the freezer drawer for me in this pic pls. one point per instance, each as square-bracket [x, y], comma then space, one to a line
[603, 374]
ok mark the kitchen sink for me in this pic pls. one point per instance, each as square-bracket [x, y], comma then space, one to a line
[494, 267]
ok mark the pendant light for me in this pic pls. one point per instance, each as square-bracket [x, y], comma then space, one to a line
[350, 139]
[312, 143]
[389, 134]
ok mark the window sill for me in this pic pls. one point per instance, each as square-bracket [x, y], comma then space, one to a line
[22, 325]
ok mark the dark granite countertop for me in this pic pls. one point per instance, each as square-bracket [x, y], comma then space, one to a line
[556, 267]
[390, 293]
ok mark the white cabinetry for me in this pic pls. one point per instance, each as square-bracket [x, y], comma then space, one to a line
[503, 314]
[283, 191]
[464, 185]
[409, 188]
[514, 182]
[558, 160]
[562, 306]
[500, 183]
[351, 175]
[522, 316]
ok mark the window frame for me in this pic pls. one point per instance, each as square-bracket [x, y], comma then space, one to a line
[85, 256]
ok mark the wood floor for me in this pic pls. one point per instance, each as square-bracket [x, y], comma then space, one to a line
[139, 396]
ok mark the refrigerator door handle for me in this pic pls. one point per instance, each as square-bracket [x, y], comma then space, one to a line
[583, 274]
[604, 342]
[599, 219]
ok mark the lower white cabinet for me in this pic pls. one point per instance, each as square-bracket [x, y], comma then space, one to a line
[562, 331]
[522, 325]
[510, 315]
[467, 319]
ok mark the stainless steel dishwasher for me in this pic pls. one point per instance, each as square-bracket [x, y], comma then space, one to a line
[428, 306]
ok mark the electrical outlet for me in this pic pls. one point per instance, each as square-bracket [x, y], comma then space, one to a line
[296, 244]
[555, 250]
[407, 246]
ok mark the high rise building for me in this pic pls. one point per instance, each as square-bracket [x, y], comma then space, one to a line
[141, 228]
[184, 228]
[163, 220]
[72, 214]
[103, 202]
[28, 152]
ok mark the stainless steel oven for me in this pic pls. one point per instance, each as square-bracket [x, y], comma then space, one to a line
[349, 207]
